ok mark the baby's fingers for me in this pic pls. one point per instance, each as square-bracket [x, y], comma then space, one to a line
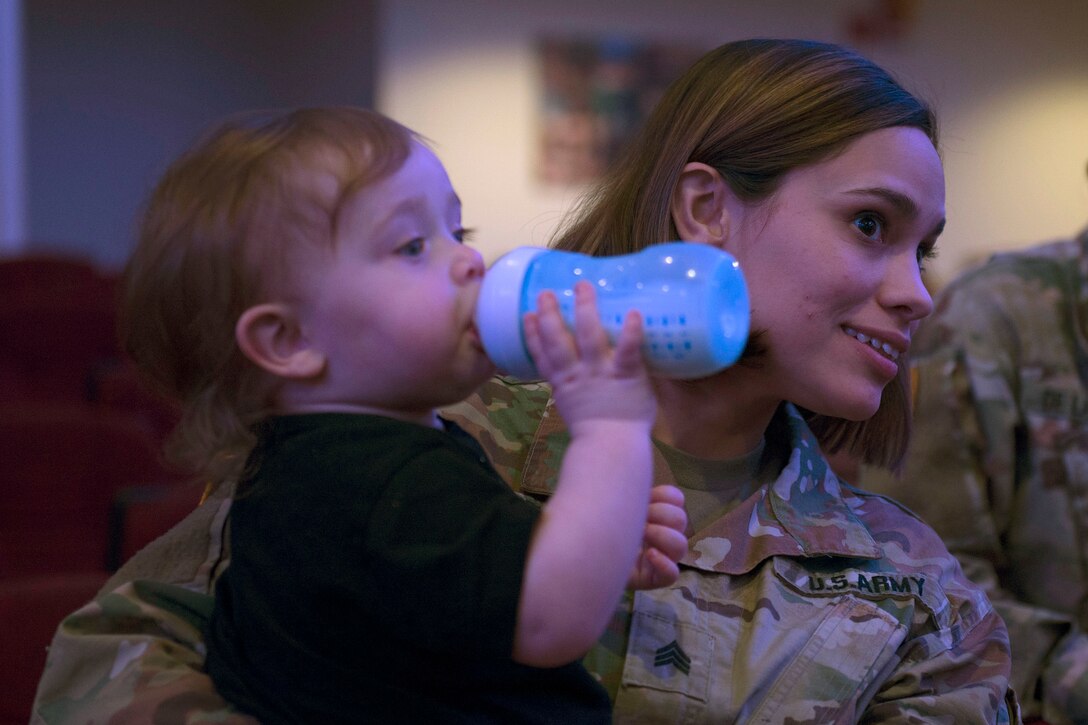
[667, 508]
[546, 336]
[653, 570]
[627, 357]
[666, 522]
[665, 493]
[593, 342]
[667, 540]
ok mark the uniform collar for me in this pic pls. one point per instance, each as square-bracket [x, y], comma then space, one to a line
[805, 512]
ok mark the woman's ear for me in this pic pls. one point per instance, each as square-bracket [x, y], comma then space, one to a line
[699, 205]
[269, 335]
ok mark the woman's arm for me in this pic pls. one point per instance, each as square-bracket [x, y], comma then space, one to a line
[136, 653]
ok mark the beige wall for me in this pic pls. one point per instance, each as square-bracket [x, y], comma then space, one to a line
[1009, 79]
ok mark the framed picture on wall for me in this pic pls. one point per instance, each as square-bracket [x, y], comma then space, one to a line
[596, 92]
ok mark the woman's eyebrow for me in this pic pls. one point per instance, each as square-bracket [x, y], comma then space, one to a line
[902, 203]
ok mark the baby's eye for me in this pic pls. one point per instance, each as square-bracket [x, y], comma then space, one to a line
[412, 248]
[871, 225]
[464, 235]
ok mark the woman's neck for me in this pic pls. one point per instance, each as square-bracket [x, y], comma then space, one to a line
[710, 418]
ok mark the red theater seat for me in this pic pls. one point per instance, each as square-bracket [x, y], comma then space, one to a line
[63, 464]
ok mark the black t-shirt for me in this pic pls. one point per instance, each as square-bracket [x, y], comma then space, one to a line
[375, 573]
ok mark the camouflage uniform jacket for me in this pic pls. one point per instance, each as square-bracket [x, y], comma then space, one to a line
[810, 602]
[999, 460]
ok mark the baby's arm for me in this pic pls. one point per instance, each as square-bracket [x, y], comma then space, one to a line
[591, 531]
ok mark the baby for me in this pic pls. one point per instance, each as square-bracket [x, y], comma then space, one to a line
[303, 286]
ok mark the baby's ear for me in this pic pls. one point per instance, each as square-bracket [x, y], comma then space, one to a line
[269, 335]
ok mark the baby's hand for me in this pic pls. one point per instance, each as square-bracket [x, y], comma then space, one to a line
[590, 380]
[664, 543]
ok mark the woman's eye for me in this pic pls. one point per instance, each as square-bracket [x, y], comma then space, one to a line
[925, 253]
[412, 248]
[870, 225]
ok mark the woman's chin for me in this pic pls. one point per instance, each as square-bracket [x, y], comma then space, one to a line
[856, 410]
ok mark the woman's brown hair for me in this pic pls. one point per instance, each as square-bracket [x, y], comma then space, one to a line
[755, 110]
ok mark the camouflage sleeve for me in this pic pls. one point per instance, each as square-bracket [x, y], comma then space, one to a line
[958, 683]
[503, 416]
[1054, 653]
[136, 653]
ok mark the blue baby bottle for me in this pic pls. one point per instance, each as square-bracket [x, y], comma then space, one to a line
[692, 297]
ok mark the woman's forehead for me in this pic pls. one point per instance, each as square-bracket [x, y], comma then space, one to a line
[901, 161]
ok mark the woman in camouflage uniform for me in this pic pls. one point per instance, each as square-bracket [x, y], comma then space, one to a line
[801, 599]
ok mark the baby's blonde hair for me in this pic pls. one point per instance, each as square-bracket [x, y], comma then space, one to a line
[219, 233]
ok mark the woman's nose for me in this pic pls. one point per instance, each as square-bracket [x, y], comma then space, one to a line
[904, 289]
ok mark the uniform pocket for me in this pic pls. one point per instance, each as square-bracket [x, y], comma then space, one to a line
[666, 653]
[825, 678]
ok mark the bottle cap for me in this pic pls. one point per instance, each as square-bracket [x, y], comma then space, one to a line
[499, 310]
